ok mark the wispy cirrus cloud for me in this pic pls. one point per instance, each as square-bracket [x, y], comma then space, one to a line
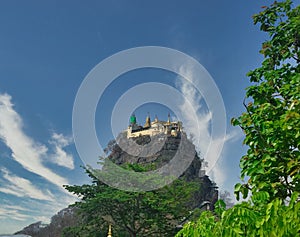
[28, 210]
[11, 212]
[16, 212]
[32, 201]
[21, 187]
[198, 122]
[197, 127]
[61, 157]
[25, 150]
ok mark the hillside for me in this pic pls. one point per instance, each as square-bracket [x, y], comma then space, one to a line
[206, 192]
[207, 189]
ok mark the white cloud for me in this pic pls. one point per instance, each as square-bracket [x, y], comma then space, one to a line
[21, 187]
[28, 211]
[218, 172]
[61, 157]
[15, 212]
[198, 128]
[11, 213]
[32, 156]
[24, 149]
[197, 120]
[61, 140]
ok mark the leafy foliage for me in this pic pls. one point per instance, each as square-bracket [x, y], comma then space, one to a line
[272, 127]
[260, 216]
[272, 118]
[153, 213]
[225, 196]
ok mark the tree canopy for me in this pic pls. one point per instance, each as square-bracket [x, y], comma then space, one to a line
[271, 125]
[272, 120]
[152, 213]
[260, 216]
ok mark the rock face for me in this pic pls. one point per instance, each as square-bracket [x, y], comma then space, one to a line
[32, 229]
[158, 151]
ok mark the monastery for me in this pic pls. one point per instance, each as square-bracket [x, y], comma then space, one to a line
[153, 128]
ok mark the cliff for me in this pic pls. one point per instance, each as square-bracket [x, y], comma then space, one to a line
[207, 192]
[169, 146]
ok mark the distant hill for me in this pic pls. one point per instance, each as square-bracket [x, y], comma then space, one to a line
[62, 219]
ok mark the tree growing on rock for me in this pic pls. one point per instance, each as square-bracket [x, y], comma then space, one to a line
[159, 212]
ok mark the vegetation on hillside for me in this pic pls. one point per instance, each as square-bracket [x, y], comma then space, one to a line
[160, 212]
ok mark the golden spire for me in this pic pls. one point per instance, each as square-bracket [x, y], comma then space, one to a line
[169, 118]
[109, 231]
[148, 122]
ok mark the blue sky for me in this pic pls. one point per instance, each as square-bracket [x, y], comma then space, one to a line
[46, 50]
